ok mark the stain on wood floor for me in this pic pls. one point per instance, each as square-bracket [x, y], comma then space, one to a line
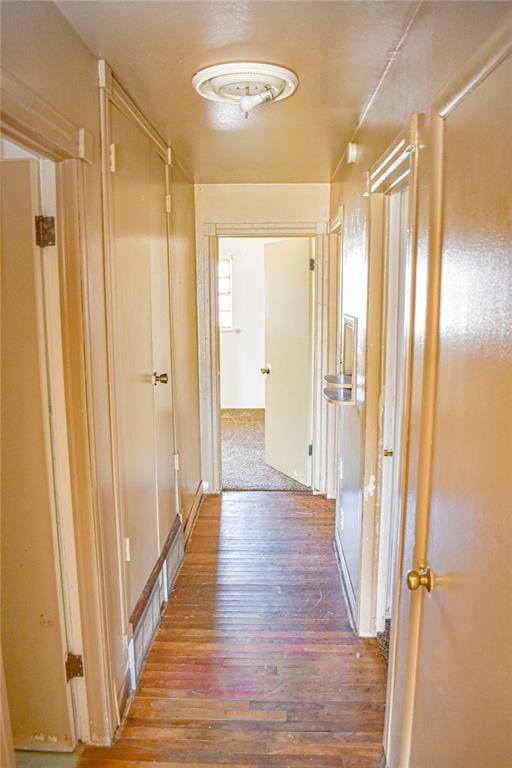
[255, 664]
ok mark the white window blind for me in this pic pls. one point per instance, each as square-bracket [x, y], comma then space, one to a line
[225, 294]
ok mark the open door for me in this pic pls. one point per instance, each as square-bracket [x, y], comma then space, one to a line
[288, 320]
[456, 708]
[34, 643]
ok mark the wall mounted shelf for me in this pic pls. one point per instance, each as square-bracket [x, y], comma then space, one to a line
[338, 395]
[342, 381]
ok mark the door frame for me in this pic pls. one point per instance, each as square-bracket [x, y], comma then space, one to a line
[398, 162]
[388, 519]
[37, 127]
[324, 341]
[335, 319]
[311, 291]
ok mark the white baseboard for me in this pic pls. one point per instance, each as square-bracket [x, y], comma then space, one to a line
[149, 620]
[48, 759]
[192, 518]
[345, 580]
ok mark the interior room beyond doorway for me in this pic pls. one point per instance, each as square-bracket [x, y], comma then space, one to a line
[258, 294]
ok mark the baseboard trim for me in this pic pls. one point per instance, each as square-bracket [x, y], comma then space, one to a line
[34, 759]
[143, 600]
[345, 580]
[123, 696]
[192, 518]
[145, 618]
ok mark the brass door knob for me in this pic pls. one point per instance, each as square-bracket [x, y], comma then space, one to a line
[423, 578]
[265, 370]
[161, 378]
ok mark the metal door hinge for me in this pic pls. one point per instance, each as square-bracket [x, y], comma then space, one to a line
[45, 231]
[176, 461]
[74, 666]
[310, 449]
[112, 158]
[312, 265]
[168, 204]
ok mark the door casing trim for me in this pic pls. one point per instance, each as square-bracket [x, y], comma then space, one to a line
[35, 125]
[324, 346]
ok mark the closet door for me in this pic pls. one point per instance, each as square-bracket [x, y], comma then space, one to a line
[162, 363]
[140, 345]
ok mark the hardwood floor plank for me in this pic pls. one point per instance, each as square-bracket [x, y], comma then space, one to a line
[255, 664]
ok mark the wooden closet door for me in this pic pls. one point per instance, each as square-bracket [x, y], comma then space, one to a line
[141, 347]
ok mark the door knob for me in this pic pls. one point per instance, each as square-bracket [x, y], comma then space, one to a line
[265, 370]
[422, 578]
[161, 378]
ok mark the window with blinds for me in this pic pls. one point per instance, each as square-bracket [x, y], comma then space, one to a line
[225, 294]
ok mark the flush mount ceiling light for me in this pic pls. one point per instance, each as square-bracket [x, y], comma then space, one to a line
[245, 83]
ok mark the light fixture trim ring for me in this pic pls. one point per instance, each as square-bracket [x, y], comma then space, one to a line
[211, 82]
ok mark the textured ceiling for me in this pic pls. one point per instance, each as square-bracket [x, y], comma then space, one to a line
[338, 49]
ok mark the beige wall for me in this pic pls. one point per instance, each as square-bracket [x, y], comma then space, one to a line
[45, 54]
[258, 203]
[184, 305]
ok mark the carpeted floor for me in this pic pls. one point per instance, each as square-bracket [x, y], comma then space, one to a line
[243, 454]
[383, 641]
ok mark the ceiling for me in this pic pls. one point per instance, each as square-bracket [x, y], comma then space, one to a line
[339, 50]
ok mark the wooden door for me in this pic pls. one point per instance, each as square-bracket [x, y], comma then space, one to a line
[141, 348]
[288, 353]
[32, 614]
[460, 676]
[167, 478]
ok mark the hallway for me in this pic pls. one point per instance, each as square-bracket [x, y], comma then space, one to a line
[255, 663]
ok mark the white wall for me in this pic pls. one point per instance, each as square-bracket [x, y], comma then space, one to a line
[10, 151]
[242, 350]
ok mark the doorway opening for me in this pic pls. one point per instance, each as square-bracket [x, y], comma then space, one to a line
[392, 387]
[265, 312]
[40, 614]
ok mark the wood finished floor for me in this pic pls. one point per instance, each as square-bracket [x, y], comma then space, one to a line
[255, 664]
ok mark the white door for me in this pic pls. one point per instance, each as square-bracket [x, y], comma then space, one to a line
[34, 642]
[459, 675]
[141, 349]
[167, 477]
[288, 356]
[397, 206]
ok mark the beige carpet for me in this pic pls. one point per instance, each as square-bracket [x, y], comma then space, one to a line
[243, 454]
